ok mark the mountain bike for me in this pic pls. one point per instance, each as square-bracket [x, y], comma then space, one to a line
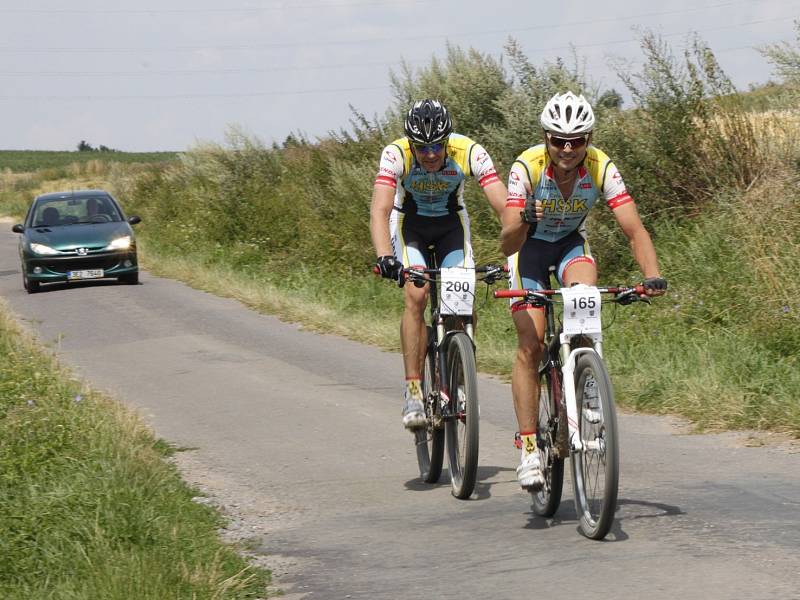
[449, 382]
[577, 415]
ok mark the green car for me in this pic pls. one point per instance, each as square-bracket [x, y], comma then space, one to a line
[75, 236]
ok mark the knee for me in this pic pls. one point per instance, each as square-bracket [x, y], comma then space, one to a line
[530, 351]
[415, 301]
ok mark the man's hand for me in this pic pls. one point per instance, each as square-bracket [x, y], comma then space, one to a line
[533, 212]
[391, 268]
[655, 286]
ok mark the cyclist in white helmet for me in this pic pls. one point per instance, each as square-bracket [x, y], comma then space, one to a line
[418, 202]
[551, 188]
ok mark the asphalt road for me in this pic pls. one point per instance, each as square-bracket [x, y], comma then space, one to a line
[299, 435]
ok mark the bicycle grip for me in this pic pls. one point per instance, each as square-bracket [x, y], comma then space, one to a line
[510, 293]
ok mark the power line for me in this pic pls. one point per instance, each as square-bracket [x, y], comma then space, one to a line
[189, 96]
[184, 11]
[347, 65]
[198, 71]
[307, 44]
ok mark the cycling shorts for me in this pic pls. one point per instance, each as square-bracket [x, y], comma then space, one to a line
[530, 268]
[414, 236]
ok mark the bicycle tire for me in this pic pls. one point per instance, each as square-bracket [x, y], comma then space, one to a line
[462, 426]
[430, 441]
[595, 470]
[547, 500]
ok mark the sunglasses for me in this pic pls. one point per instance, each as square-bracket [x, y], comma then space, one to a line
[574, 143]
[428, 148]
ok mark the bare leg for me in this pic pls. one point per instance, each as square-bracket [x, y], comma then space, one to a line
[530, 326]
[413, 334]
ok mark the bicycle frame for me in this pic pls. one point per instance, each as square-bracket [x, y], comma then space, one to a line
[558, 347]
[443, 329]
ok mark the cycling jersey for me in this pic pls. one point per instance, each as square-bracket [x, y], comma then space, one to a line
[597, 177]
[439, 193]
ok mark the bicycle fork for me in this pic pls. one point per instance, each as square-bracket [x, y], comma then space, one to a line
[568, 359]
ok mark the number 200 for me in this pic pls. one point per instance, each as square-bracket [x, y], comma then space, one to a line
[457, 286]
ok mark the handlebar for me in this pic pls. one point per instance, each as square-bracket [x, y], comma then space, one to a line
[622, 295]
[492, 273]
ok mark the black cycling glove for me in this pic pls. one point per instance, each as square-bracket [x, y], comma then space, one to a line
[391, 268]
[528, 214]
[658, 284]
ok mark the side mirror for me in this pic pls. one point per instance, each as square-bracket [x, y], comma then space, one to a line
[18, 228]
[134, 220]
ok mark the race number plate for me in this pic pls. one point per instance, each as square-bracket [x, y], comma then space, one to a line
[581, 310]
[458, 291]
[85, 274]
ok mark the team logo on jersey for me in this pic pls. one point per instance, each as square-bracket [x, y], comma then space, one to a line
[573, 205]
[430, 186]
[449, 173]
[390, 156]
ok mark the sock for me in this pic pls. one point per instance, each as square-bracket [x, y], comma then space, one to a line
[528, 442]
[414, 388]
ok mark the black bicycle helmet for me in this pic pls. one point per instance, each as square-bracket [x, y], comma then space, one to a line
[428, 122]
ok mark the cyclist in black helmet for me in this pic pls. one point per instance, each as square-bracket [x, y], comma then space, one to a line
[417, 202]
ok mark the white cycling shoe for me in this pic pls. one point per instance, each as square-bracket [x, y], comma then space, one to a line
[414, 414]
[529, 472]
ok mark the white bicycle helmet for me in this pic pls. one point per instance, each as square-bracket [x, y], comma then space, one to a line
[567, 114]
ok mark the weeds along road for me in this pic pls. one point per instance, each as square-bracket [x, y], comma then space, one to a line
[299, 436]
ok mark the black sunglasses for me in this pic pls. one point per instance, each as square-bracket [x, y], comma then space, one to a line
[574, 143]
[427, 148]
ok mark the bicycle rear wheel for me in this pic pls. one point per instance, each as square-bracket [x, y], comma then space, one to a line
[462, 422]
[547, 499]
[430, 441]
[595, 470]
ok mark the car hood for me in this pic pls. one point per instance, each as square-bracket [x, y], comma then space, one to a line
[69, 237]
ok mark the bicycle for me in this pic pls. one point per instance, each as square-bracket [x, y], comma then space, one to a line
[449, 382]
[572, 375]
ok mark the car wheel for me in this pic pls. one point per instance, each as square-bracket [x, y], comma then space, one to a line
[30, 286]
[130, 279]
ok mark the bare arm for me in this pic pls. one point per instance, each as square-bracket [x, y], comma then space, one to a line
[641, 245]
[380, 209]
[514, 231]
[496, 194]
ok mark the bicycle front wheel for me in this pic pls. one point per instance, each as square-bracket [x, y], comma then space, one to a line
[430, 441]
[595, 470]
[462, 420]
[547, 499]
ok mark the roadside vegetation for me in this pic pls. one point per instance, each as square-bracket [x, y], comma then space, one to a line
[714, 172]
[90, 507]
[89, 504]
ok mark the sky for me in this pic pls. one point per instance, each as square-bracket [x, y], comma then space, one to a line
[155, 75]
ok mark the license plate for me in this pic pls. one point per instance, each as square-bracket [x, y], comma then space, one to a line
[85, 274]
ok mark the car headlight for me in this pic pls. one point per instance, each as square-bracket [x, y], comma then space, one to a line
[122, 243]
[42, 249]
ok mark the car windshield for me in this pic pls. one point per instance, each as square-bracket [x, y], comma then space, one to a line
[75, 209]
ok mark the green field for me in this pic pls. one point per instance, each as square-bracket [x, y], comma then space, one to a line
[21, 161]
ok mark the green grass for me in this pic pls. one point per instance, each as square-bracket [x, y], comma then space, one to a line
[22, 161]
[89, 506]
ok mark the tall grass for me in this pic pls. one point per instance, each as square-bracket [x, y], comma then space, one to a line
[701, 165]
[89, 508]
[714, 193]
